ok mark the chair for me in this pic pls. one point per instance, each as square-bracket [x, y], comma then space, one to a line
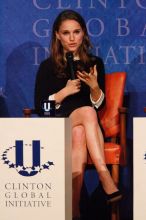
[113, 121]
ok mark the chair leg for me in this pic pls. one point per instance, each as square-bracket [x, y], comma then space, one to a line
[115, 206]
[115, 212]
[115, 173]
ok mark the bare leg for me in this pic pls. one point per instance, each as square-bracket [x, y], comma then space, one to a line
[87, 117]
[79, 160]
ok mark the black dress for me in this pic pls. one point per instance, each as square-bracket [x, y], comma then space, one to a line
[48, 83]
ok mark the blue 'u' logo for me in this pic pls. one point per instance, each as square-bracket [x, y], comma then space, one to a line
[19, 162]
[35, 157]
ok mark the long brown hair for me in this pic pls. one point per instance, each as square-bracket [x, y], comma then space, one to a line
[56, 47]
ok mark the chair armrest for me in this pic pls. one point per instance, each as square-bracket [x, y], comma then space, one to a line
[27, 112]
[123, 112]
[145, 109]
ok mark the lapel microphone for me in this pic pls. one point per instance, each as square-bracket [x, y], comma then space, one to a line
[69, 58]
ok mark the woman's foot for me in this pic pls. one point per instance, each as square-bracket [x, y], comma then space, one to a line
[114, 197]
[111, 191]
[107, 182]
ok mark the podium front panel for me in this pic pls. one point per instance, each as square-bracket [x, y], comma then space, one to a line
[35, 168]
[139, 166]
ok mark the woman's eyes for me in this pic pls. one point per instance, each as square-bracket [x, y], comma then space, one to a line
[75, 32]
[66, 32]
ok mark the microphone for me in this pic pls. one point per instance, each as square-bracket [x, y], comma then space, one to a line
[69, 57]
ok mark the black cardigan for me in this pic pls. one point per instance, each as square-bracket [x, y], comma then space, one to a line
[48, 83]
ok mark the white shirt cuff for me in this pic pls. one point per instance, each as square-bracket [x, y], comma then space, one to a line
[52, 98]
[98, 102]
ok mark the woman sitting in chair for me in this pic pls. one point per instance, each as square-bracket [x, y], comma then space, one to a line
[77, 98]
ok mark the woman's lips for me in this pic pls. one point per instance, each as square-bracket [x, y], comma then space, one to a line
[72, 45]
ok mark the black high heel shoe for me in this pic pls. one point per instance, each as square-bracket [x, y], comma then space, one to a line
[114, 197]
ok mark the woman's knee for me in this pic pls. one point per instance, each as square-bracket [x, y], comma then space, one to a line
[89, 114]
[83, 115]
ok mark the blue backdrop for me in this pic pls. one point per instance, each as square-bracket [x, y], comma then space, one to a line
[117, 30]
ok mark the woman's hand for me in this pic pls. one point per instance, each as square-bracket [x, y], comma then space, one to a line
[72, 86]
[90, 78]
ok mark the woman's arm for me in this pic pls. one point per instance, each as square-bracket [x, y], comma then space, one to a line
[72, 87]
[45, 88]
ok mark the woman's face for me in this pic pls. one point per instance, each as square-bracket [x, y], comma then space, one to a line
[70, 35]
